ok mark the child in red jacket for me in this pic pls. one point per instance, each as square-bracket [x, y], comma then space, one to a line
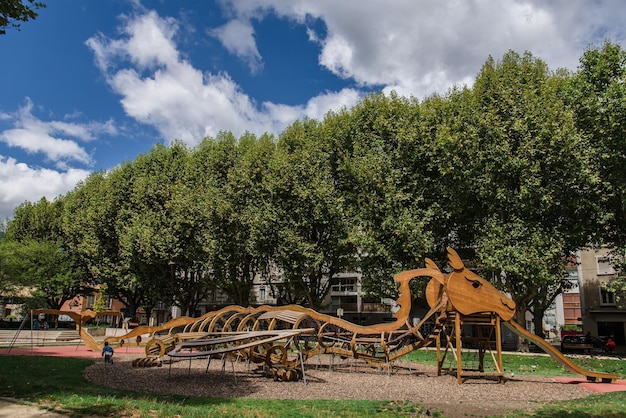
[610, 345]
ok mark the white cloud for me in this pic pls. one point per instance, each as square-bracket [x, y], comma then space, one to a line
[148, 43]
[57, 140]
[237, 36]
[20, 183]
[419, 47]
[414, 47]
[179, 100]
[316, 108]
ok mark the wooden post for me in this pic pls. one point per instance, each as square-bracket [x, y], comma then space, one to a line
[459, 359]
[482, 347]
[499, 348]
[438, 345]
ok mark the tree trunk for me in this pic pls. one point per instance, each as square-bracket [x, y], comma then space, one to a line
[538, 312]
[520, 318]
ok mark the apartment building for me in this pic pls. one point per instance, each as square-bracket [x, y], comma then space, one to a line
[602, 312]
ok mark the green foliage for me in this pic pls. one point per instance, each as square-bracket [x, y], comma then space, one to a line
[94, 213]
[100, 304]
[239, 230]
[14, 11]
[618, 284]
[534, 181]
[571, 327]
[34, 255]
[598, 94]
[382, 165]
[312, 226]
[42, 265]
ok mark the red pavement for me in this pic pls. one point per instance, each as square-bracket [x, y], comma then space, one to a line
[66, 351]
[618, 386]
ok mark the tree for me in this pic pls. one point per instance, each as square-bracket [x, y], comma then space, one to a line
[534, 184]
[92, 216]
[382, 167]
[311, 222]
[100, 303]
[14, 11]
[237, 204]
[6, 281]
[597, 97]
[35, 254]
[150, 233]
[189, 208]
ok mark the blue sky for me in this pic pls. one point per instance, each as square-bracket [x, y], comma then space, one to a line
[90, 84]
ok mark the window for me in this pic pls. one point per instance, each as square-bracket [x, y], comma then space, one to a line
[344, 284]
[604, 265]
[347, 303]
[262, 293]
[607, 297]
[91, 300]
[571, 276]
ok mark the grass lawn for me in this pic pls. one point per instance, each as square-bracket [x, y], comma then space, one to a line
[59, 383]
[531, 363]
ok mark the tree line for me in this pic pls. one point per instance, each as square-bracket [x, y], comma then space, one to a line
[517, 173]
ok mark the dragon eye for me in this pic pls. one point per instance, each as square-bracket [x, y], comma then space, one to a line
[476, 284]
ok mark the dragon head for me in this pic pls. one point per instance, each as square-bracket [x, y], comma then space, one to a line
[469, 293]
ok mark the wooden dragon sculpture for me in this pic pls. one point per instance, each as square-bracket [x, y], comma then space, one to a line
[270, 334]
[460, 290]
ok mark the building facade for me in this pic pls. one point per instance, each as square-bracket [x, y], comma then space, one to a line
[602, 312]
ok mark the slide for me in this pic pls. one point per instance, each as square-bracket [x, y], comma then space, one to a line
[592, 376]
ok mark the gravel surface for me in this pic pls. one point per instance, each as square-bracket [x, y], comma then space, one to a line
[475, 397]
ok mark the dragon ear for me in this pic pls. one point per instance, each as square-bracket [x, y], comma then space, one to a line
[454, 260]
[431, 264]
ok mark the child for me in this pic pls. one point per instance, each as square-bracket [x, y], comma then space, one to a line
[610, 345]
[107, 353]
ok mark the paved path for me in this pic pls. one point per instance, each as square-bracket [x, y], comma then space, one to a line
[66, 351]
[10, 408]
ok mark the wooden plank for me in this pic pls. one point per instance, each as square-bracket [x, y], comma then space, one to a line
[263, 338]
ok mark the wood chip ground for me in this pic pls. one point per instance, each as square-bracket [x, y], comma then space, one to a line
[420, 384]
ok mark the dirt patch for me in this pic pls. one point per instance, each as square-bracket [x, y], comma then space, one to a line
[346, 380]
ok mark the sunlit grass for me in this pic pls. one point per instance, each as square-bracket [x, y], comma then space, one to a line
[535, 363]
[609, 405]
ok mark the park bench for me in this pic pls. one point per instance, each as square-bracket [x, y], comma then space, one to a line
[68, 335]
[53, 337]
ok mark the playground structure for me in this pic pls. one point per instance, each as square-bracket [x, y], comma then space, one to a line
[79, 318]
[283, 338]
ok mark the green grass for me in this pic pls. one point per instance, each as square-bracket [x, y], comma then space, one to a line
[540, 364]
[59, 383]
[609, 405]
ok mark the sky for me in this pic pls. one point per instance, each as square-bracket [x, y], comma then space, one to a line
[91, 84]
